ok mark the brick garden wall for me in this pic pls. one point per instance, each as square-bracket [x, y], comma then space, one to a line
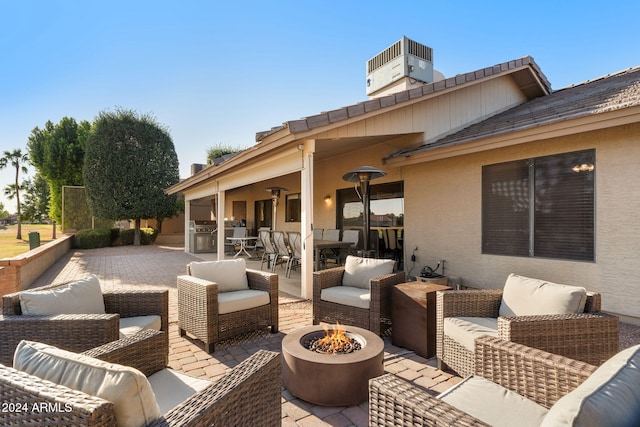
[19, 272]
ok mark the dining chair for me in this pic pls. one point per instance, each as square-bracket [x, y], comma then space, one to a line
[352, 236]
[283, 255]
[332, 255]
[237, 232]
[295, 243]
[269, 251]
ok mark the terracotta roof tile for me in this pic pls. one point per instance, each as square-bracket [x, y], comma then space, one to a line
[308, 123]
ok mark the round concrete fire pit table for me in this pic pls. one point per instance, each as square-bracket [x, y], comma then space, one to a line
[331, 379]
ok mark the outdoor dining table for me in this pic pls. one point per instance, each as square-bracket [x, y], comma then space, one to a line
[319, 245]
[243, 244]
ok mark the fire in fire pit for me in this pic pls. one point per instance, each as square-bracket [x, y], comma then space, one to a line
[336, 342]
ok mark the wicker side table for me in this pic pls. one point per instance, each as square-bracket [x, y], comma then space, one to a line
[413, 316]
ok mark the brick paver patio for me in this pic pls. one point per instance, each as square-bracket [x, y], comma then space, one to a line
[158, 266]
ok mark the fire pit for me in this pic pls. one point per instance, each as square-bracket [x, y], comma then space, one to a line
[331, 377]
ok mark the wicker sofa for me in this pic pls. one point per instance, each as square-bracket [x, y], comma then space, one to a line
[374, 316]
[249, 394]
[517, 385]
[202, 290]
[586, 334]
[78, 332]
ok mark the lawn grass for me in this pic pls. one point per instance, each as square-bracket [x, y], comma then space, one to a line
[10, 246]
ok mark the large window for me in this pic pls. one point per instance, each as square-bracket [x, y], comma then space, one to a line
[542, 207]
[386, 202]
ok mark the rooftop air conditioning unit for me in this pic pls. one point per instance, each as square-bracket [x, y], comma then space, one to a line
[405, 58]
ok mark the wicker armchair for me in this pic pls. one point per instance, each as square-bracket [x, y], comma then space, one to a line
[536, 376]
[590, 336]
[78, 332]
[376, 318]
[249, 394]
[198, 312]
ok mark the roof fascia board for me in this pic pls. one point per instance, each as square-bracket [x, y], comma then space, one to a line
[283, 163]
[558, 129]
[250, 154]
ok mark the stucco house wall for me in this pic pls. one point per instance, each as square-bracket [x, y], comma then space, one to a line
[443, 210]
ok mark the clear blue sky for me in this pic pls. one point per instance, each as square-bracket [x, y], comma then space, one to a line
[218, 72]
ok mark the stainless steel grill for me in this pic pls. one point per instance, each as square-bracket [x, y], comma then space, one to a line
[202, 236]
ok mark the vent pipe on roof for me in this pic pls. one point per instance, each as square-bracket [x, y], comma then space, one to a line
[196, 167]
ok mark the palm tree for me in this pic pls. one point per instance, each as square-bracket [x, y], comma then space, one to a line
[17, 159]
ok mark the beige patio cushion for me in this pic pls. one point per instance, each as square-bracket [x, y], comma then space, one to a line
[132, 325]
[347, 295]
[172, 388]
[230, 302]
[524, 296]
[358, 272]
[127, 388]
[79, 297]
[465, 330]
[493, 404]
[229, 274]
[609, 397]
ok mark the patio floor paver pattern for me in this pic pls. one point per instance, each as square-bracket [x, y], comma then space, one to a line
[158, 266]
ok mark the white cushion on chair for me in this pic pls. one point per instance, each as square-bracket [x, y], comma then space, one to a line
[172, 388]
[229, 302]
[79, 297]
[493, 404]
[465, 330]
[132, 325]
[609, 397]
[524, 296]
[358, 271]
[347, 295]
[229, 274]
[127, 388]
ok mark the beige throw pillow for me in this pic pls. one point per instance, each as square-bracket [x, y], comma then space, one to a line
[229, 274]
[80, 297]
[358, 272]
[524, 296]
[127, 388]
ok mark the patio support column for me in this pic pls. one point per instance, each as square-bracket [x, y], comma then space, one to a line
[306, 223]
[220, 224]
[187, 216]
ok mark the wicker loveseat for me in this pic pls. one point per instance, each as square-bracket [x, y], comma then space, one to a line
[516, 385]
[221, 299]
[582, 332]
[249, 394]
[357, 294]
[82, 329]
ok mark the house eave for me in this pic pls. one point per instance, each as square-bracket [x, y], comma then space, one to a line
[514, 137]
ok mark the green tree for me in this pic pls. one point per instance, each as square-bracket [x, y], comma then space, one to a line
[57, 152]
[220, 150]
[18, 160]
[129, 161]
[3, 212]
[36, 199]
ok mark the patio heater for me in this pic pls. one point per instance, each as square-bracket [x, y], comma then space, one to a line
[275, 195]
[363, 175]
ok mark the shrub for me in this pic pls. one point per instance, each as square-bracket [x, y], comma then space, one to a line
[147, 236]
[97, 238]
